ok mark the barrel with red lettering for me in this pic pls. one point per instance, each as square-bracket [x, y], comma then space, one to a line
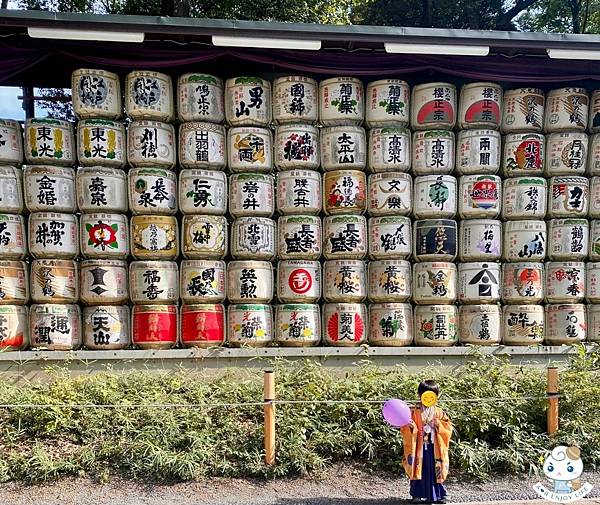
[154, 326]
[202, 325]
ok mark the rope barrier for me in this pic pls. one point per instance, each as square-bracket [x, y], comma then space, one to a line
[250, 404]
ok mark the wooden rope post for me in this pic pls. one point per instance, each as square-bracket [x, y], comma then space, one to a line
[269, 411]
[552, 392]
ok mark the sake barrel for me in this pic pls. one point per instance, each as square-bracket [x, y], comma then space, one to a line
[298, 281]
[435, 196]
[104, 282]
[55, 327]
[202, 281]
[433, 106]
[204, 237]
[389, 281]
[296, 146]
[156, 237]
[96, 94]
[152, 191]
[390, 324]
[479, 325]
[523, 154]
[149, 95]
[523, 283]
[436, 325]
[11, 190]
[523, 110]
[49, 189]
[295, 100]
[344, 237]
[390, 193]
[565, 281]
[11, 142]
[345, 324]
[433, 152]
[101, 142]
[106, 328]
[594, 209]
[565, 324]
[389, 149]
[154, 326]
[49, 142]
[478, 152]
[104, 236]
[568, 196]
[387, 103]
[249, 325]
[202, 145]
[151, 144]
[592, 282]
[299, 237]
[101, 189]
[341, 101]
[566, 109]
[345, 192]
[479, 283]
[250, 282]
[54, 281]
[566, 153]
[568, 239]
[14, 328]
[250, 149]
[248, 101]
[390, 237]
[299, 192]
[202, 192]
[254, 238]
[593, 161]
[434, 283]
[14, 283]
[435, 240]
[524, 198]
[13, 237]
[524, 241]
[344, 281]
[479, 196]
[594, 112]
[343, 148]
[522, 324]
[251, 195]
[297, 325]
[594, 249]
[593, 323]
[480, 240]
[200, 98]
[202, 325]
[153, 282]
[480, 105]
[52, 235]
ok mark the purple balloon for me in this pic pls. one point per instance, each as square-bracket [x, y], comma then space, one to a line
[396, 413]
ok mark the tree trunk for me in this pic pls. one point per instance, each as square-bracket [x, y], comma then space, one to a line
[427, 14]
[4, 4]
[504, 21]
[575, 7]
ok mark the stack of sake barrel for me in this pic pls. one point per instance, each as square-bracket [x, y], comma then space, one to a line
[53, 234]
[14, 279]
[101, 185]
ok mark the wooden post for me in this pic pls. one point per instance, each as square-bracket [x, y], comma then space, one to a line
[269, 411]
[552, 391]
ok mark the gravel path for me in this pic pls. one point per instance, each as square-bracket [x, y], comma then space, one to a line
[342, 485]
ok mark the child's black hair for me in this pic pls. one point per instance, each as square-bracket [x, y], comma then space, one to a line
[428, 385]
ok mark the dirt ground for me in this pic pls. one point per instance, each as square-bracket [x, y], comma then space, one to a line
[342, 485]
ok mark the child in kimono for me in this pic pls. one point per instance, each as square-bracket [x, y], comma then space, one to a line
[426, 440]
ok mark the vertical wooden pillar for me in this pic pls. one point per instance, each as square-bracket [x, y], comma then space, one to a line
[552, 392]
[269, 412]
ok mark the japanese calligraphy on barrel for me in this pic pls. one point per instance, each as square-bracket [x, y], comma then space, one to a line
[104, 282]
[390, 324]
[204, 237]
[153, 282]
[341, 101]
[297, 325]
[202, 145]
[202, 192]
[436, 325]
[49, 142]
[345, 324]
[101, 142]
[202, 325]
[96, 94]
[55, 327]
[49, 189]
[387, 103]
[106, 327]
[101, 189]
[295, 100]
[149, 95]
[154, 326]
[200, 98]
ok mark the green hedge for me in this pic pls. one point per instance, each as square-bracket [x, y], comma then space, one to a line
[177, 444]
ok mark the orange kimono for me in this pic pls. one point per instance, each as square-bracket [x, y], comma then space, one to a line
[413, 445]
